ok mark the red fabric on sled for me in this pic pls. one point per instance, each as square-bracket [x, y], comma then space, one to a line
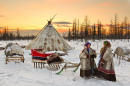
[36, 53]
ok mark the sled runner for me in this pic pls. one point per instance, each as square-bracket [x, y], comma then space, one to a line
[51, 61]
[67, 65]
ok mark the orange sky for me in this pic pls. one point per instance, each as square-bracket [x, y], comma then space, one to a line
[32, 15]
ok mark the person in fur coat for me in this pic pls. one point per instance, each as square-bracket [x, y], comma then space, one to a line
[106, 64]
[88, 66]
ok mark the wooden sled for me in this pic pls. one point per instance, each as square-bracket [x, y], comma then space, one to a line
[40, 61]
[15, 59]
[57, 66]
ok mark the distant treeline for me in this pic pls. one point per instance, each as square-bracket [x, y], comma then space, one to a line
[10, 35]
[114, 30]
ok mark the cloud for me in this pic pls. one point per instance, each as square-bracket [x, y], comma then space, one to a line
[1, 27]
[2, 16]
[62, 22]
[62, 25]
[5, 17]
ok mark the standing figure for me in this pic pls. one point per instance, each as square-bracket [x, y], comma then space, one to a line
[106, 64]
[88, 66]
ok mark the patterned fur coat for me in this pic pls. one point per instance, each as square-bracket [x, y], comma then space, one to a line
[86, 61]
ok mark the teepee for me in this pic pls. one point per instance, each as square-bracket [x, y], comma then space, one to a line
[49, 39]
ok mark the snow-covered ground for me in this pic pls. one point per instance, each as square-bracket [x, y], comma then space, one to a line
[24, 74]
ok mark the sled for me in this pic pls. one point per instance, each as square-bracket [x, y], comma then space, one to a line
[15, 59]
[14, 52]
[41, 61]
[39, 57]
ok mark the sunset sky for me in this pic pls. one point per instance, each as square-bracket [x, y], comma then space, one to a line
[31, 15]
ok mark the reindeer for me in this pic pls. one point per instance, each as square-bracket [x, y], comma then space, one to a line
[120, 52]
[127, 52]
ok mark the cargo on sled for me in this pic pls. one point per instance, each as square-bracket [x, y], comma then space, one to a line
[14, 52]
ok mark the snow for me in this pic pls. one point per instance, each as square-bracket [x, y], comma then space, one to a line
[8, 49]
[24, 74]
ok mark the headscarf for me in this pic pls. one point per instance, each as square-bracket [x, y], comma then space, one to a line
[107, 43]
[86, 44]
